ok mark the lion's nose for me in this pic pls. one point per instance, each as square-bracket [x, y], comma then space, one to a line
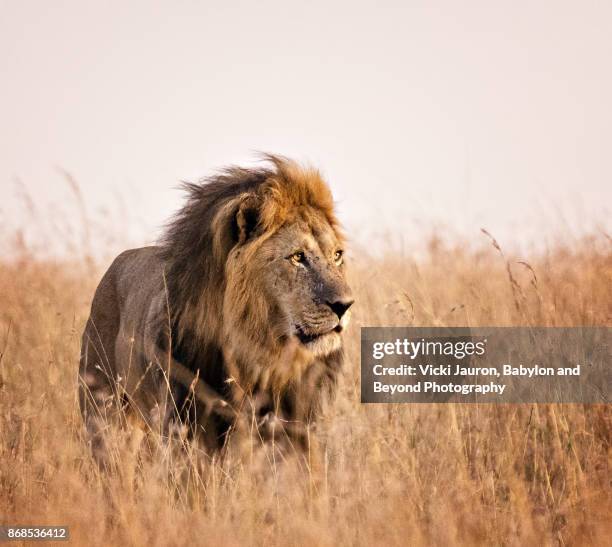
[339, 307]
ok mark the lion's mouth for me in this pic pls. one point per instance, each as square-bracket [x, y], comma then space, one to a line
[309, 337]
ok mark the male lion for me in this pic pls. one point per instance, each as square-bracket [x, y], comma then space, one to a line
[234, 319]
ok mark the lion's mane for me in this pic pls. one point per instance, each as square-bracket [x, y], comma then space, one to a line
[199, 248]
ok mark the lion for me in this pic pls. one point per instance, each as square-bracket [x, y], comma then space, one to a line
[235, 318]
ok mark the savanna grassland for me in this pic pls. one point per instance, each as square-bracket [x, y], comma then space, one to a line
[386, 474]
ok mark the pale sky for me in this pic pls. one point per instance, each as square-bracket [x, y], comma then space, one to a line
[420, 114]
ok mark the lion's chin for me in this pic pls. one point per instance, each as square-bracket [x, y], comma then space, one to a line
[324, 344]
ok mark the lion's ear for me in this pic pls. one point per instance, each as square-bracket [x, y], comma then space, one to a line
[247, 219]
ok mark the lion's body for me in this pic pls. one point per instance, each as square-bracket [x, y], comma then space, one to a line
[218, 320]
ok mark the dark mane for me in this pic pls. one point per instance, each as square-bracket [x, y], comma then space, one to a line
[194, 272]
[198, 239]
[237, 206]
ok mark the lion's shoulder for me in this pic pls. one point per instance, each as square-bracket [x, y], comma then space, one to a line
[141, 269]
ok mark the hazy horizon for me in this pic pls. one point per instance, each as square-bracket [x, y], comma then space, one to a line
[420, 116]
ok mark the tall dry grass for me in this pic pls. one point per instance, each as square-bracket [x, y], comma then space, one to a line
[389, 474]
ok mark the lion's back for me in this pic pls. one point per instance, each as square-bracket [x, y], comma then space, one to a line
[123, 303]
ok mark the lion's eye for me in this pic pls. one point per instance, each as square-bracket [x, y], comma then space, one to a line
[298, 257]
[338, 255]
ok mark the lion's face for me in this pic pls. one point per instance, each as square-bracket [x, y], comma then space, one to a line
[303, 273]
[293, 281]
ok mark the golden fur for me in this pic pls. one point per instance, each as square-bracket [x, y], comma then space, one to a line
[242, 306]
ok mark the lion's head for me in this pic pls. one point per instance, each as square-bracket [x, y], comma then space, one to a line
[256, 267]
